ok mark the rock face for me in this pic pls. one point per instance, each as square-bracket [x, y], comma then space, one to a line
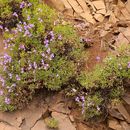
[24, 119]
[64, 122]
[93, 10]
[40, 125]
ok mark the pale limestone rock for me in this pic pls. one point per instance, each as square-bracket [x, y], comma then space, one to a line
[88, 17]
[101, 11]
[125, 126]
[40, 125]
[126, 98]
[68, 9]
[81, 126]
[128, 5]
[114, 124]
[112, 18]
[64, 121]
[114, 113]
[60, 107]
[125, 13]
[84, 6]
[77, 8]
[121, 40]
[99, 17]
[91, 4]
[57, 4]
[124, 112]
[127, 33]
[99, 4]
[4, 126]
[30, 115]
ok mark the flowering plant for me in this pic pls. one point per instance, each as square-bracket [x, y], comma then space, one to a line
[42, 53]
[104, 85]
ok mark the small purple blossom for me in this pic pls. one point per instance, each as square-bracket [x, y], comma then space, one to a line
[46, 41]
[22, 4]
[128, 66]
[46, 66]
[48, 50]
[43, 54]
[28, 18]
[77, 99]
[10, 75]
[6, 29]
[7, 100]
[22, 70]
[1, 92]
[30, 66]
[22, 47]
[1, 27]
[40, 20]
[18, 78]
[15, 14]
[29, 4]
[82, 98]
[59, 37]
[7, 58]
[98, 58]
[35, 65]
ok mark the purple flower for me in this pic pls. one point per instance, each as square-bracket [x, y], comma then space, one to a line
[30, 26]
[43, 54]
[22, 47]
[48, 50]
[7, 100]
[59, 37]
[18, 78]
[46, 66]
[29, 4]
[15, 14]
[22, 4]
[1, 92]
[1, 27]
[46, 41]
[40, 20]
[82, 98]
[35, 65]
[6, 29]
[28, 18]
[42, 62]
[13, 85]
[52, 56]
[46, 45]
[30, 66]
[26, 33]
[128, 66]
[98, 58]
[22, 70]
[77, 99]
[10, 75]
[7, 58]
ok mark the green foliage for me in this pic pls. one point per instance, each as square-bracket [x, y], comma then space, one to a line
[92, 106]
[51, 123]
[41, 55]
[107, 80]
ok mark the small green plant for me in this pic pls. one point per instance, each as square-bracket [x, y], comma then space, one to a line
[51, 123]
[41, 54]
[104, 85]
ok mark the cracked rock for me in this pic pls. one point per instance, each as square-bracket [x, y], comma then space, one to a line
[4, 126]
[64, 121]
[40, 125]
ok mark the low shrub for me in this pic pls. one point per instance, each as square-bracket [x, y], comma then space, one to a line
[104, 85]
[51, 123]
[42, 53]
